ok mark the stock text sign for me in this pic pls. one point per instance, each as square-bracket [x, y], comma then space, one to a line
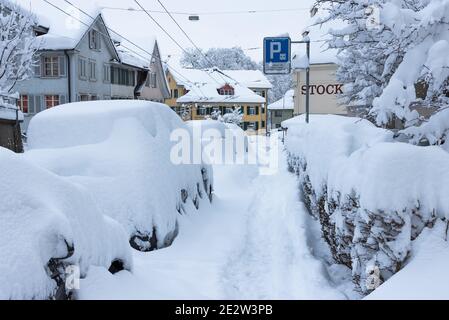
[277, 55]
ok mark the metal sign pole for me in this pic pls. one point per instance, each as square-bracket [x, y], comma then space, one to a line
[308, 84]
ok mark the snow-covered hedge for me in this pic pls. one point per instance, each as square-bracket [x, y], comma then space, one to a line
[120, 152]
[371, 195]
[46, 224]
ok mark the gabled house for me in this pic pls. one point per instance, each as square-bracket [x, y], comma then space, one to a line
[203, 92]
[80, 61]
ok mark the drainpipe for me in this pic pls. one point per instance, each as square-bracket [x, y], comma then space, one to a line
[69, 76]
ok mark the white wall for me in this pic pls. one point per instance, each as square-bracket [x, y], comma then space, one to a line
[324, 90]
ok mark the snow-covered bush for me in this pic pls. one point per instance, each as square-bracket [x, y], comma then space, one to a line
[120, 152]
[372, 196]
[48, 223]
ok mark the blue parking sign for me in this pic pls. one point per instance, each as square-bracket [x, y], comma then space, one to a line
[277, 55]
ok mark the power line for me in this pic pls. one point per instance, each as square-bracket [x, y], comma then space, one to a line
[205, 13]
[211, 64]
[161, 27]
[107, 36]
[171, 37]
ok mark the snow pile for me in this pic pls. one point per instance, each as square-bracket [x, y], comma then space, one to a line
[46, 224]
[121, 152]
[425, 276]
[372, 196]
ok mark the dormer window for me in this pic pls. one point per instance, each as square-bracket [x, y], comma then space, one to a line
[227, 90]
[94, 40]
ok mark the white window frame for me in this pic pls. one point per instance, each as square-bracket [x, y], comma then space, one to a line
[54, 67]
[92, 70]
[94, 40]
[54, 98]
[82, 68]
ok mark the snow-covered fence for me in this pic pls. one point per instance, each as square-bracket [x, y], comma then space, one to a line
[372, 196]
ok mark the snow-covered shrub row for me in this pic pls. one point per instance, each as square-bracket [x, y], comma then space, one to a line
[371, 195]
[120, 152]
[48, 223]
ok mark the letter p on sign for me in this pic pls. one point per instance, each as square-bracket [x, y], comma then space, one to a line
[275, 48]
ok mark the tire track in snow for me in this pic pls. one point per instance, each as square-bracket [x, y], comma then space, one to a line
[275, 261]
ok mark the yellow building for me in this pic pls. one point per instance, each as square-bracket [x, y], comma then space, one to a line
[197, 94]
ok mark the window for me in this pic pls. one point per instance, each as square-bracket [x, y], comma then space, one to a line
[201, 111]
[263, 124]
[251, 111]
[106, 73]
[22, 103]
[94, 40]
[229, 110]
[51, 101]
[82, 68]
[51, 67]
[175, 93]
[92, 70]
[153, 80]
[278, 113]
[227, 90]
[122, 77]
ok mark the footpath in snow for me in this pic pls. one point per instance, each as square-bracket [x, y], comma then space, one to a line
[251, 243]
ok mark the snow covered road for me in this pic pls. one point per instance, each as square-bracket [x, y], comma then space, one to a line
[251, 243]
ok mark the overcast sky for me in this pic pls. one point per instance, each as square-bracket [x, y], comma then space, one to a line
[246, 30]
[215, 30]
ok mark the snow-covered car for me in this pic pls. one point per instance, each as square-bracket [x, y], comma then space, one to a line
[49, 225]
[218, 132]
[120, 151]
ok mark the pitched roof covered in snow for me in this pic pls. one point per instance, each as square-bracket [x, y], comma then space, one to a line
[129, 58]
[204, 85]
[65, 29]
[253, 79]
[286, 103]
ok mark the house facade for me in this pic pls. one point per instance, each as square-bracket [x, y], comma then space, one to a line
[281, 110]
[85, 64]
[197, 94]
[324, 90]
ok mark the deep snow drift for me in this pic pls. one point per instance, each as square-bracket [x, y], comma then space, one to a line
[98, 177]
[251, 243]
[45, 217]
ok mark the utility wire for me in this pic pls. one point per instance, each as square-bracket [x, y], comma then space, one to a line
[161, 27]
[205, 13]
[107, 36]
[211, 64]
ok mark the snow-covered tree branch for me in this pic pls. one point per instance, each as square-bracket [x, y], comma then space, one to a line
[17, 46]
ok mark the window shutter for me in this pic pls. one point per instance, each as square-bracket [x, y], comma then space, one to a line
[31, 108]
[62, 66]
[154, 80]
[257, 111]
[38, 67]
[37, 104]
